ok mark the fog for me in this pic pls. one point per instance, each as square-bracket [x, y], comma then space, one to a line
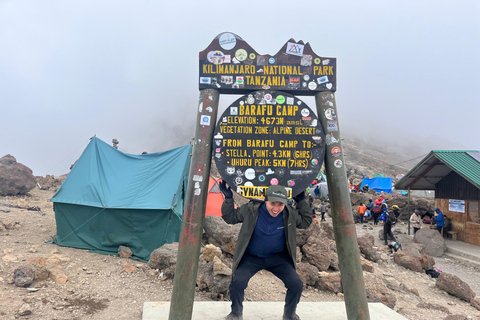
[408, 72]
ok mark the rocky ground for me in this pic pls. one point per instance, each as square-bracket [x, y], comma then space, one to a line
[85, 285]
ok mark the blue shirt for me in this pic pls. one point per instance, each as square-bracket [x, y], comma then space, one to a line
[440, 219]
[268, 237]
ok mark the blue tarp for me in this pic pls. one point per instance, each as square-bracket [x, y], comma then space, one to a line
[380, 184]
[111, 198]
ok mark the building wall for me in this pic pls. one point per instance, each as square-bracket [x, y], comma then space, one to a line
[454, 186]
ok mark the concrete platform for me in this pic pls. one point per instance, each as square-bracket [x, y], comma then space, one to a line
[462, 249]
[213, 310]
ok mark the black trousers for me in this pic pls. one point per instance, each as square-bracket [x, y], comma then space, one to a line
[281, 266]
[387, 231]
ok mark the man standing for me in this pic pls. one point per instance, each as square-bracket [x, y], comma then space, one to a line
[361, 211]
[323, 210]
[267, 240]
[440, 220]
[387, 227]
[416, 221]
[317, 191]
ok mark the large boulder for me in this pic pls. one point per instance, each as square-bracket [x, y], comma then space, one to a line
[377, 290]
[416, 249]
[308, 273]
[408, 260]
[432, 240]
[209, 279]
[455, 286]
[164, 259]
[221, 234]
[318, 252]
[366, 243]
[15, 178]
[331, 282]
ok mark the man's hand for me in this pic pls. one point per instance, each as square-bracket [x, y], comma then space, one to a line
[225, 190]
[299, 197]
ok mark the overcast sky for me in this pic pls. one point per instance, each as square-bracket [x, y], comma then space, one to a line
[408, 72]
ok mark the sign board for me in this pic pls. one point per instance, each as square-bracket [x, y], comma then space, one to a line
[231, 65]
[268, 138]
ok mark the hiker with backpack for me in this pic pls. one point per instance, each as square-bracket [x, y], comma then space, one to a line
[387, 227]
[376, 210]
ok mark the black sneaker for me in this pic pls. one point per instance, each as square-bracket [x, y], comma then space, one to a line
[231, 316]
[294, 317]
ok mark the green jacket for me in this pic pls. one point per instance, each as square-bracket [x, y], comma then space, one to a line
[248, 213]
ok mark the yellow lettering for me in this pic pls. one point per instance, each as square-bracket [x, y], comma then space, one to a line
[330, 70]
[289, 69]
[325, 70]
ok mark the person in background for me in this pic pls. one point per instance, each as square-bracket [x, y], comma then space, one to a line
[316, 191]
[323, 210]
[416, 221]
[267, 240]
[427, 217]
[370, 205]
[448, 225]
[361, 211]
[387, 227]
[396, 211]
[439, 219]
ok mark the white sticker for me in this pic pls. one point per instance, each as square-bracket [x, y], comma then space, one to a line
[198, 191]
[295, 49]
[337, 163]
[205, 80]
[250, 173]
[290, 100]
[227, 41]
[322, 79]
[197, 178]
[312, 85]
[305, 112]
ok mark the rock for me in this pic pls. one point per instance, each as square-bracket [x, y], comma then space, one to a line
[366, 243]
[332, 283]
[57, 274]
[299, 254]
[25, 310]
[455, 286]
[50, 182]
[164, 258]
[377, 291]
[317, 252]
[220, 268]
[206, 280]
[211, 251]
[308, 273]
[24, 275]
[433, 306]
[124, 252]
[367, 265]
[475, 303]
[433, 241]
[221, 234]
[455, 317]
[10, 225]
[15, 178]
[129, 268]
[407, 260]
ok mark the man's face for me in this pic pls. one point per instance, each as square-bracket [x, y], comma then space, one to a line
[274, 208]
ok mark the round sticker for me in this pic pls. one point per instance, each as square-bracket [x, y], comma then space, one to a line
[330, 114]
[216, 57]
[248, 184]
[241, 54]
[306, 77]
[304, 84]
[291, 183]
[280, 99]
[250, 173]
[274, 181]
[312, 85]
[271, 60]
[227, 41]
[261, 178]
[252, 56]
[337, 163]
[314, 162]
[305, 112]
[317, 60]
[238, 181]
[268, 97]
[250, 99]
[336, 152]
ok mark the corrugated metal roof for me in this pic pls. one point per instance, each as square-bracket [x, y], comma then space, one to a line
[437, 164]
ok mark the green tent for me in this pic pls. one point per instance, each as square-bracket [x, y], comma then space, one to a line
[111, 198]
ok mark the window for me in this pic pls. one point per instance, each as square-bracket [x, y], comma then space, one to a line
[473, 213]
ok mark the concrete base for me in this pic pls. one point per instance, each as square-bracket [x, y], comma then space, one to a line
[212, 310]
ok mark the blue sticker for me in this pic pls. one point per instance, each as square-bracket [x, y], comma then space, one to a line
[261, 178]
[271, 60]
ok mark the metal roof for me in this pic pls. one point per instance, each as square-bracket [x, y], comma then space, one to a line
[437, 164]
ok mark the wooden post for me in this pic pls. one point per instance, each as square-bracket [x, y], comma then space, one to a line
[408, 209]
[181, 305]
[343, 224]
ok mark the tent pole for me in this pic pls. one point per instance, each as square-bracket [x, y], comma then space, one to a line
[408, 209]
[184, 282]
[343, 225]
